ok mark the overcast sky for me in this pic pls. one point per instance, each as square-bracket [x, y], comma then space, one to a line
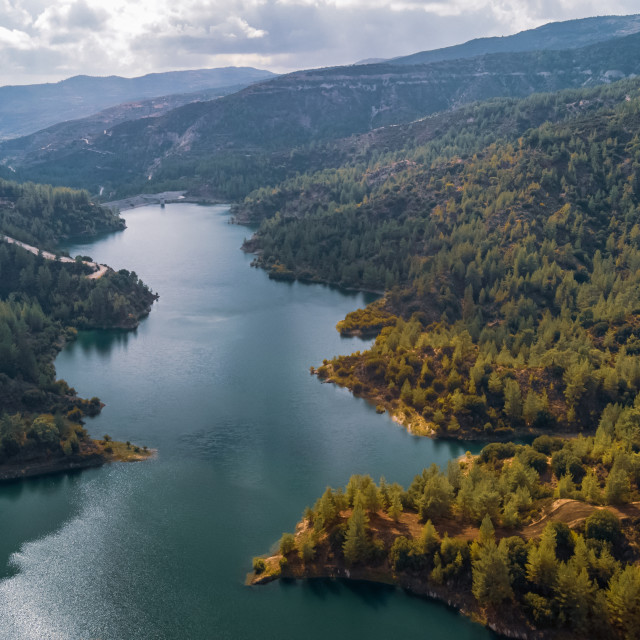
[44, 41]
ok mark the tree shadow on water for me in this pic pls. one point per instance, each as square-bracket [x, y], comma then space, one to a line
[372, 595]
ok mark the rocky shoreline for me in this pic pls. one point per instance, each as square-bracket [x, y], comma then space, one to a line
[504, 623]
[10, 472]
[94, 456]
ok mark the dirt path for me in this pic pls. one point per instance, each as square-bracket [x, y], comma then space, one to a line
[574, 513]
[98, 269]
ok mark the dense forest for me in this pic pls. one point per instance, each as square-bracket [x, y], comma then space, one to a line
[493, 529]
[42, 215]
[511, 271]
[225, 148]
[505, 247]
[43, 302]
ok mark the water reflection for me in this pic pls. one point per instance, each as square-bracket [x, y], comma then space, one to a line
[101, 342]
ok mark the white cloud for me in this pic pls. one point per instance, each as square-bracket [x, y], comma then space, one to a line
[14, 39]
[53, 39]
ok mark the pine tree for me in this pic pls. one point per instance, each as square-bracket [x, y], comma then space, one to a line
[325, 511]
[623, 601]
[490, 571]
[542, 565]
[591, 488]
[436, 498]
[395, 506]
[356, 542]
[429, 540]
[574, 593]
[512, 400]
[617, 486]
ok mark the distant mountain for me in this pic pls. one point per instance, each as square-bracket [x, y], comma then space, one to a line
[86, 129]
[233, 144]
[555, 35]
[28, 108]
[372, 61]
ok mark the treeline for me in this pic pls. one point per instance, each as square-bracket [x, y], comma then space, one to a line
[42, 215]
[62, 291]
[342, 172]
[42, 302]
[517, 268]
[45, 435]
[495, 527]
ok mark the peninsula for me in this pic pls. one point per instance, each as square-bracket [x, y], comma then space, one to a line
[45, 298]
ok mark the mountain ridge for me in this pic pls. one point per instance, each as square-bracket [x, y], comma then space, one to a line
[547, 36]
[25, 109]
[227, 146]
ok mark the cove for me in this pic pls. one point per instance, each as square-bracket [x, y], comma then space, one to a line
[217, 379]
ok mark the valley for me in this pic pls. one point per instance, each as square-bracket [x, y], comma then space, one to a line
[449, 238]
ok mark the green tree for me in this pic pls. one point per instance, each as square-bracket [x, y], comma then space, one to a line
[491, 584]
[437, 498]
[542, 565]
[574, 593]
[356, 544]
[512, 400]
[623, 602]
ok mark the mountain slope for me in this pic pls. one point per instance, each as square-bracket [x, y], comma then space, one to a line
[227, 146]
[28, 108]
[515, 268]
[571, 34]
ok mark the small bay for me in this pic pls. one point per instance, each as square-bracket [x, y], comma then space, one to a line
[217, 380]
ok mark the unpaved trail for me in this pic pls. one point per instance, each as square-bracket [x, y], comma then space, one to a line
[98, 269]
[573, 513]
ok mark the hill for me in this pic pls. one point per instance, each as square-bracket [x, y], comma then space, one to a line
[509, 270]
[25, 109]
[239, 142]
[570, 34]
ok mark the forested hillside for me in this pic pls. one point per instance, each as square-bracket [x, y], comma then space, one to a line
[43, 302]
[227, 147]
[43, 215]
[540, 541]
[511, 272]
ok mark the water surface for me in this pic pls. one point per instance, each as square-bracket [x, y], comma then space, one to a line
[217, 379]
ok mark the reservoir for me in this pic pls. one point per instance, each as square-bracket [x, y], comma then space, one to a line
[217, 380]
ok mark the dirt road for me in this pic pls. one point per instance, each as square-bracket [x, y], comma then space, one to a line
[98, 269]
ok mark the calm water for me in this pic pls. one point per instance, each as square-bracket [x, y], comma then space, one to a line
[217, 380]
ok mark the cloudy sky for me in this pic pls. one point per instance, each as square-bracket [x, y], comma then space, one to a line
[44, 41]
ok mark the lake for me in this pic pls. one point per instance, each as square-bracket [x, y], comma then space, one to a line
[217, 380]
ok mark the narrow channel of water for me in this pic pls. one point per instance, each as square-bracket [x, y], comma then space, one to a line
[217, 379]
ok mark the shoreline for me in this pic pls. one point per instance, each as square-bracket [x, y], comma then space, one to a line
[462, 603]
[164, 197]
[94, 458]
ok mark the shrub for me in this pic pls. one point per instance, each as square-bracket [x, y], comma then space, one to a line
[547, 444]
[287, 543]
[498, 451]
[603, 525]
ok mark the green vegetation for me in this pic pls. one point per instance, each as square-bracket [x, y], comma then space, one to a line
[494, 529]
[31, 445]
[224, 149]
[513, 271]
[23, 438]
[42, 303]
[508, 249]
[42, 215]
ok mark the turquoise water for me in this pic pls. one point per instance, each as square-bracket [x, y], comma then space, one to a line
[217, 379]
